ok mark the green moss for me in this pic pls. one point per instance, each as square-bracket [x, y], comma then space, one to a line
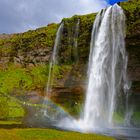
[67, 51]
[73, 108]
[132, 11]
[15, 109]
[15, 79]
[118, 118]
[4, 109]
[10, 109]
[136, 117]
[131, 5]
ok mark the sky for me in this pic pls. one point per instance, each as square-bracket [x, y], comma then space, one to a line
[114, 1]
[22, 15]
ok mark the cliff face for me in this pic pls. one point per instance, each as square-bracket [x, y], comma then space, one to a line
[29, 48]
[132, 12]
[34, 48]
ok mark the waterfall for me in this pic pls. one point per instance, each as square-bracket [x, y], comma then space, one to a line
[107, 77]
[76, 33]
[52, 110]
[53, 61]
[53, 114]
[107, 74]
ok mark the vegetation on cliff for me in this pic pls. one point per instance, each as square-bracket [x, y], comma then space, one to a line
[132, 11]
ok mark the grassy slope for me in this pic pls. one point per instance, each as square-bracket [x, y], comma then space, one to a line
[47, 134]
[43, 134]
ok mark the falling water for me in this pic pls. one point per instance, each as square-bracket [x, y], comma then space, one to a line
[53, 114]
[76, 40]
[107, 68]
[53, 61]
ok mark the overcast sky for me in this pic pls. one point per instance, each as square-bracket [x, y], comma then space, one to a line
[22, 15]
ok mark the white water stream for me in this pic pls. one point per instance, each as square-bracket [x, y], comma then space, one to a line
[107, 75]
[53, 60]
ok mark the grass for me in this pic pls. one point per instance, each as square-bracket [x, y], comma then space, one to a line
[47, 134]
[10, 108]
[43, 134]
[18, 80]
[15, 133]
[9, 122]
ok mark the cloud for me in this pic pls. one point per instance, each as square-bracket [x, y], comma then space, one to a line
[22, 15]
